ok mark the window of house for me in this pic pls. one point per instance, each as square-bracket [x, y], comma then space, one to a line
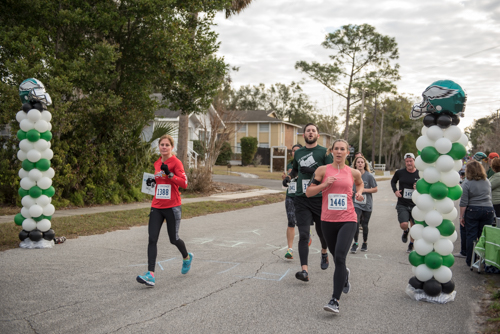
[242, 128]
[263, 127]
[238, 148]
[204, 135]
[264, 145]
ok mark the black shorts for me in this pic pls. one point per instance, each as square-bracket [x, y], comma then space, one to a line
[308, 210]
[404, 213]
[290, 211]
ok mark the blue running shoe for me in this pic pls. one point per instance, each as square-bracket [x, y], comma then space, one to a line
[186, 264]
[146, 279]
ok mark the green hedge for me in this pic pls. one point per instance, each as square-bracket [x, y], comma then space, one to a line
[248, 149]
[225, 154]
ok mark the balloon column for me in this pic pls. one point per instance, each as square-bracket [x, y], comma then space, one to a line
[441, 149]
[36, 174]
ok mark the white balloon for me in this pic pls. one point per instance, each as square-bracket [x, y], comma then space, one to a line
[443, 145]
[422, 247]
[47, 154]
[26, 125]
[33, 155]
[444, 206]
[423, 141]
[442, 274]
[433, 218]
[49, 210]
[43, 200]
[432, 175]
[464, 140]
[443, 247]
[21, 155]
[34, 115]
[44, 183]
[457, 165]
[27, 183]
[414, 196]
[25, 212]
[450, 179]
[36, 210]
[46, 116]
[434, 133]
[21, 115]
[453, 237]
[421, 165]
[417, 214]
[50, 126]
[452, 215]
[42, 126]
[23, 173]
[416, 231]
[425, 202]
[29, 225]
[424, 130]
[431, 234]
[423, 273]
[28, 201]
[49, 173]
[421, 174]
[41, 145]
[35, 174]
[25, 145]
[445, 163]
[43, 225]
[453, 133]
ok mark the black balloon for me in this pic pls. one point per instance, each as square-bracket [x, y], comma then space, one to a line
[416, 283]
[432, 287]
[36, 235]
[39, 106]
[23, 235]
[455, 120]
[429, 120]
[444, 121]
[49, 235]
[27, 107]
[448, 287]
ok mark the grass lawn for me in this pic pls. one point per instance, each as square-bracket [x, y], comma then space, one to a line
[99, 223]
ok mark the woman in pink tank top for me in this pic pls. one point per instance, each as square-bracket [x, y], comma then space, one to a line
[338, 217]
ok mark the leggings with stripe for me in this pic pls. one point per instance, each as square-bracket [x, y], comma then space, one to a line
[156, 218]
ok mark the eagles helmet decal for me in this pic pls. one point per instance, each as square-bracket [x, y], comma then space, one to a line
[31, 90]
[443, 96]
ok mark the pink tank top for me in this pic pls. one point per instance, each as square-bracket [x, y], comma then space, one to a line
[337, 199]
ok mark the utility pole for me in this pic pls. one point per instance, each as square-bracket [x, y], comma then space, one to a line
[360, 146]
[381, 131]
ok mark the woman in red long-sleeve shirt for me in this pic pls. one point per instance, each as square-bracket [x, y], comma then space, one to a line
[166, 205]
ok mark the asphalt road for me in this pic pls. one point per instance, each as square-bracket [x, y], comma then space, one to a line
[240, 282]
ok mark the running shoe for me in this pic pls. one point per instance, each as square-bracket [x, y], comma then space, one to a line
[354, 248]
[459, 255]
[302, 275]
[410, 247]
[347, 285]
[186, 264]
[146, 279]
[310, 239]
[364, 247]
[404, 237]
[324, 261]
[289, 254]
[332, 306]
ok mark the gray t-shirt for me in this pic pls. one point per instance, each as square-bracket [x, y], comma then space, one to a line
[367, 203]
[476, 193]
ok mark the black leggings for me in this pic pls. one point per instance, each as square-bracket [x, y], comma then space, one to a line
[363, 219]
[339, 237]
[156, 218]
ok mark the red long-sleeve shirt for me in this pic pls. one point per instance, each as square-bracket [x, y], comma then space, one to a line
[167, 190]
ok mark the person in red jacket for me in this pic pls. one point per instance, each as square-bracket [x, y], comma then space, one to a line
[166, 205]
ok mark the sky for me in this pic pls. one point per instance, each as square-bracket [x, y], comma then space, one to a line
[437, 39]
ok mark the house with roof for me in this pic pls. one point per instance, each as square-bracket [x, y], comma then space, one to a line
[263, 125]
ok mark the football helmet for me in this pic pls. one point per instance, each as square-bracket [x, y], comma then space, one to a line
[33, 90]
[443, 96]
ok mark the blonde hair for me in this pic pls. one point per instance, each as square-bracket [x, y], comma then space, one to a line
[169, 137]
[367, 166]
[475, 171]
[340, 140]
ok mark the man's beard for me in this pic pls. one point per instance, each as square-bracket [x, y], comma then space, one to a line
[310, 141]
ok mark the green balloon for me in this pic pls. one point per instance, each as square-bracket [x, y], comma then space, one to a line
[33, 135]
[429, 154]
[433, 260]
[42, 165]
[47, 217]
[416, 259]
[28, 165]
[421, 223]
[457, 151]
[47, 135]
[446, 228]
[18, 219]
[448, 260]
[23, 192]
[438, 190]
[455, 192]
[37, 219]
[21, 135]
[419, 152]
[35, 191]
[423, 186]
[49, 192]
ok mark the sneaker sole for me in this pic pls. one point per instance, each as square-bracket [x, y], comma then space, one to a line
[331, 310]
[147, 283]
[300, 278]
[364, 250]
[288, 256]
[354, 252]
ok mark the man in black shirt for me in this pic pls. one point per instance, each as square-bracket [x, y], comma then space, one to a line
[407, 178]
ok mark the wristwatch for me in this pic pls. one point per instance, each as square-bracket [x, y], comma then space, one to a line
[170, 175]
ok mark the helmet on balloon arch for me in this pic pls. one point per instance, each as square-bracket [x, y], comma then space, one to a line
[441, 97]
[31, 90]
[480, 156]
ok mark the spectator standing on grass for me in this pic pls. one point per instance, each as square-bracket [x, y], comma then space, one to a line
[495, 186]
[490, 171]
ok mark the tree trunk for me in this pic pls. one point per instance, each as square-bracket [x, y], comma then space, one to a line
[381, 131]
[183, 137]
[373, 132]
[360, 147]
